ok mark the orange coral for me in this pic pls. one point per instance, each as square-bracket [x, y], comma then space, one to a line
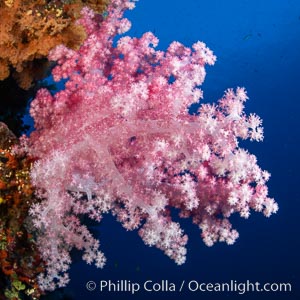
[30, 28]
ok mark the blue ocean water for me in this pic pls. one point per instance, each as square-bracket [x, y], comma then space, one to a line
[257, 44]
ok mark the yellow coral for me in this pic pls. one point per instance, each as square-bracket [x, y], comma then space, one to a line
[9, 3]
[29, 29]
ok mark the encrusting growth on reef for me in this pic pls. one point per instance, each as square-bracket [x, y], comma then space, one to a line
[30, 29]
[20, 261]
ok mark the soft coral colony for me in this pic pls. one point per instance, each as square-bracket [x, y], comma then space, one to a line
[118, 138]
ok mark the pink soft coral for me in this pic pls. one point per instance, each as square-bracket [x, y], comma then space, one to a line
[119, 138]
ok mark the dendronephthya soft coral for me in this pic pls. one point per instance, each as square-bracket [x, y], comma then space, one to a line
[119, 138]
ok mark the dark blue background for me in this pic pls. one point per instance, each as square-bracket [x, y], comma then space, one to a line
[257, 43]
